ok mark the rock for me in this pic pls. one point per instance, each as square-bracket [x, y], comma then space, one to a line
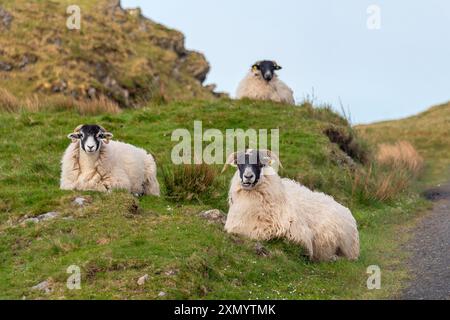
[135, 12]
[5, 18]
[162, 294]
[196, 64]
[43, 217]
[79, 201]
[171, 272]
[261, 250]
[44, 286]
[214, 215]
[28, 58]
[48, 216]
[142, 280]
[34, 220]
[5, 66]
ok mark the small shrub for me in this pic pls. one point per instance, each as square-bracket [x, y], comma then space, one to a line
[395, 168]
[380, 184]
[189, 182]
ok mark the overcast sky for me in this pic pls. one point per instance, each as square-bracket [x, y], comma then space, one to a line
[325, 47]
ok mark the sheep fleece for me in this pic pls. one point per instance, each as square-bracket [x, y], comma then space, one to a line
[282, 208]
[255, 87]
[118, 166]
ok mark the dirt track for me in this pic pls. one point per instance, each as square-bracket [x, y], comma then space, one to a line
[430, 248]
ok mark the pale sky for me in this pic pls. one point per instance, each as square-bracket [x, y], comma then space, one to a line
[324, 47]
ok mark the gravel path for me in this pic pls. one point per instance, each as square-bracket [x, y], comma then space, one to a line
[430, 249]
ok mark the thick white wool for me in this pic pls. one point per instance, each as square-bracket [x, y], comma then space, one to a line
[117, 165]
[253, 86]
[282, 208]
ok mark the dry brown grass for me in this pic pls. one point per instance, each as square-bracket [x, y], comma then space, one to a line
[36, 103]
[395, 168]
[8, 102]
[380, 185]
[400, 155]
[428, 131]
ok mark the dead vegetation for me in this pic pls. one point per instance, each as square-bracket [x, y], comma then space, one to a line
[400, 155]
[394, 169]
[36, 103]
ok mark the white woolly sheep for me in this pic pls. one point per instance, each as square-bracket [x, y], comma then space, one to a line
[261, 83]
[264, 206]
[93, 162]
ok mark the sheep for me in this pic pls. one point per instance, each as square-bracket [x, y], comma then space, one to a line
[93, 162]
[261, 83]
[263, 206]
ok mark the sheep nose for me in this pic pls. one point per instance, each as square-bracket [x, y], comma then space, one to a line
[248, 176]
[268, 76]
[91, 147]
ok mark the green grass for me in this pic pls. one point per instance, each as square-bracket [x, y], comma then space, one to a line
[114, 244]
[427, 131]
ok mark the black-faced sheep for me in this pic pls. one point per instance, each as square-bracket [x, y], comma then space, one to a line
[93, 162]
[261, 83]
[264, 206]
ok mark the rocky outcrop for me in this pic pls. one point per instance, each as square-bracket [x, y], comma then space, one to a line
[118, 53]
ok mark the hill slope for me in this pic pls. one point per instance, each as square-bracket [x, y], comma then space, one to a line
[117, 53]
[116, 238]
[429, 131]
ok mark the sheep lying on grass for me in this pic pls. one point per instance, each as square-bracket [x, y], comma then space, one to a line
[261, 83]
[93, 162]
[264, 206]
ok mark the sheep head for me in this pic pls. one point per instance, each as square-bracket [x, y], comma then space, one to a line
[90, 137]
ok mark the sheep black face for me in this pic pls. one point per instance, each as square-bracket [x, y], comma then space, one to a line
[251, 166]
[266, 68]
[90, 137]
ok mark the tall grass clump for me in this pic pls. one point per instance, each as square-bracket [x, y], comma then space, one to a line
[394, 169]
[8, 102]
[400, 155]
[189, 182]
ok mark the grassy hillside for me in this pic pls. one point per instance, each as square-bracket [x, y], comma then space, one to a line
[117, 53]
[117, 238]
[429, 132]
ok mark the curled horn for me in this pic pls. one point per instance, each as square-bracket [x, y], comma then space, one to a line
[108, 135]
[78, 128]
[73, 136]
[232, 158]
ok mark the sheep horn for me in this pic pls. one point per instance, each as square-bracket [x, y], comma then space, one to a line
[77, 129]
[230, 160]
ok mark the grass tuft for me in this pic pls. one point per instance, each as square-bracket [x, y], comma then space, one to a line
[189, 182]
[401, 155]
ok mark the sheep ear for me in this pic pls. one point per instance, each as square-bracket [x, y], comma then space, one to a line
[277, 67]
[106, 136]
[271, 157]
[74, 136]
[231, 161]
[255, 67]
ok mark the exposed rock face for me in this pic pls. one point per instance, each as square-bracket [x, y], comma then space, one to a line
[117, 53]
[5, 19]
